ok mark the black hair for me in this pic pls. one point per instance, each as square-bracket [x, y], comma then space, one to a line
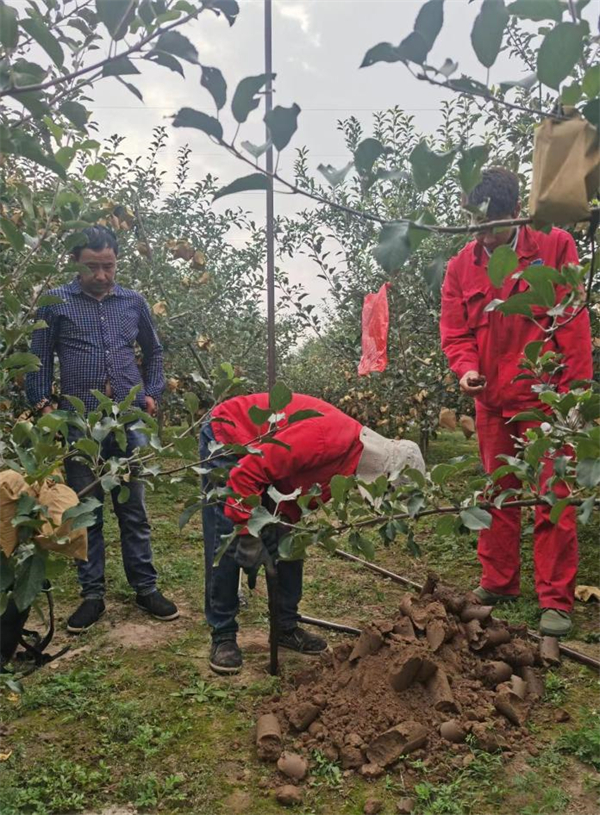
[500, 187]
[97, 238]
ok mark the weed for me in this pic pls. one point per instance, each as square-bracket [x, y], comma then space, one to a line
[76, 690]
[149, 791]
[583, 742]
[438, 799]
[556, 688]
[329, 772]
[203, 692]
[59, 786]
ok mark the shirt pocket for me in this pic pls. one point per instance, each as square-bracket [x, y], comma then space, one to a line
[129, 324]
[475, 304]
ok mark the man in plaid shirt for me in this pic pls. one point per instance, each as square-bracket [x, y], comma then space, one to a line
[93, 332]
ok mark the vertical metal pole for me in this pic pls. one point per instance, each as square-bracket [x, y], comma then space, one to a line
[271, 354]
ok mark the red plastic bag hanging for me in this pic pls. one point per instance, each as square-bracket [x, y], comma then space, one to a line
[375, 326]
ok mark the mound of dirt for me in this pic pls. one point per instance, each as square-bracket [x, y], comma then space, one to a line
[421, 682]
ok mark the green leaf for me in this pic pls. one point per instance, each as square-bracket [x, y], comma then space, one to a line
[411, 544]
[591, 111]
[188, 512]
[214, 82]
[475, 518]
[131, 88]
[559, 52]
[393, 248]
[229, 8]
[428, 24]
[260, 518]
[441, 472]
[7, 574]
[9, 29]
[166, 61]
[254, 181]
[333, 175]
[88, 446]
[172, 42]
[532, 350]
[429, 167]
[445, 526]
[188, 117]
[301, 415]
[77, 404]
[527, 82]
[17, 142]
[259, 416]
[75, 113]
[537, 10]
[588, 472]
[433, 274]
[518, 304]
[558, 509]
[282, 123]
[585, 510]
[339, 487]
[12, 234]
[116, 16]
[503, 261]
[256, 150]
[470, 165]
[21, 359]
[191, 402]
[120, 66]
[44, 38]
[245, 98]
[591, 82]
[382, 52]
[366, 154]
[488, 31]
[280, 397]
[29, 580]
[571, 94]
[123, 495]
[95, 172]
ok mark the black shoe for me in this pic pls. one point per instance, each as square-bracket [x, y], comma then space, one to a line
[157, 605]
[225, 657]
[88, 613]
[297, 639]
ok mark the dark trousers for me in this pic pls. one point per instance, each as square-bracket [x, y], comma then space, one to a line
[136, 549]
[221, 582]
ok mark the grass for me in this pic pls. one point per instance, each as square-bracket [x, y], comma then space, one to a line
[151, 727]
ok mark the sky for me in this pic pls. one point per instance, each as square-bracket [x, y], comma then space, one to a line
[318, 46]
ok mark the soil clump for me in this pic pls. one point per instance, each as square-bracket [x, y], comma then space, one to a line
[439, 675]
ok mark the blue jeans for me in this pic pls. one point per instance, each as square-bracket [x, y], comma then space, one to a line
[221, 582]
[133, 523]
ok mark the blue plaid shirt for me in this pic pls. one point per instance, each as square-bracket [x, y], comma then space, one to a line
[95, 344]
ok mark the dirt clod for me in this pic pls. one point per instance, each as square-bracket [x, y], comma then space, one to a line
[288, 795]
[372, 806]
[405, 806]
[549, 652]
[418, 683]
[292, 765]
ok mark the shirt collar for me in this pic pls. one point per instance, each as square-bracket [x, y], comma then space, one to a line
[75, 287]
[524, 244]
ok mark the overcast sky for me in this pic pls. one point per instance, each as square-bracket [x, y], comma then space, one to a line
[317, 48]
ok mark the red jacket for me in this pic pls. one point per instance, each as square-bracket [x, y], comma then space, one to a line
[322, 447]
[492, 343]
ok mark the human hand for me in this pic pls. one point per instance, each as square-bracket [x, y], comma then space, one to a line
[472, 383]
[47, 409]
[150, 405]
[251, 554]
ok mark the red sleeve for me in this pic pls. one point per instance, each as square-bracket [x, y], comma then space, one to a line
[458, 341]
[574, 339]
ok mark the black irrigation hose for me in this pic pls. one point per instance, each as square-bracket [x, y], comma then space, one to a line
[571, 653]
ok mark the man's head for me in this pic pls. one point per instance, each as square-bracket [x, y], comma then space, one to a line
[99, 254]
[500, 188]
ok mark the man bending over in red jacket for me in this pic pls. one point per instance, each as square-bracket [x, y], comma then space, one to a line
[484, 349]
[321, 447]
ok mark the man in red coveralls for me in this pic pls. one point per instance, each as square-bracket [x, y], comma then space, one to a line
[484, 349]
[320, 447]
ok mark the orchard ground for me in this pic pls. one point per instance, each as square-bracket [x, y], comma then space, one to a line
[131, 718]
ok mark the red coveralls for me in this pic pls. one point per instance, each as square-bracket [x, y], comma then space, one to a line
[320, 448]
[492, 344]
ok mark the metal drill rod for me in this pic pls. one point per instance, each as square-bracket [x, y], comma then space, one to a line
[273, 594]
[347, 629]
